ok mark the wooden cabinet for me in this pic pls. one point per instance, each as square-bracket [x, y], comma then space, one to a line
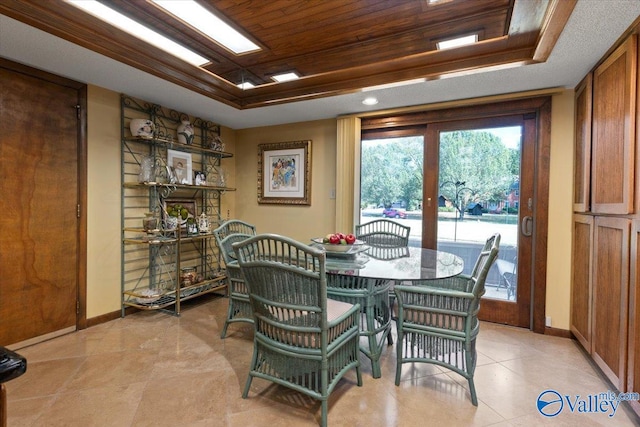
[581, 289]
[610, 297]
[633, 365]
[605, 287]
[582, 148]
[613, 136]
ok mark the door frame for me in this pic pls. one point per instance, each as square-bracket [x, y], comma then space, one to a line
[538, 109]
[82, 97]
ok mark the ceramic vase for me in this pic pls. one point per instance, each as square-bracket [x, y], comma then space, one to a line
[185, 133]
[141, 128]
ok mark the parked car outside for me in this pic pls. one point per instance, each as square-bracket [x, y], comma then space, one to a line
[393, 213]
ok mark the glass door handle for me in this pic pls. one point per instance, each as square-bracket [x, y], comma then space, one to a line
[526, 226]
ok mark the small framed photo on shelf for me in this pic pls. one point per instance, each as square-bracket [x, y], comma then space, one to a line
[182, 166]
[200, 178]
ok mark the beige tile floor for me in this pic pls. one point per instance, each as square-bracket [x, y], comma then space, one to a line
[153, 369]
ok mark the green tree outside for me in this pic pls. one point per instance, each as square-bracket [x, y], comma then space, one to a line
[392, 169]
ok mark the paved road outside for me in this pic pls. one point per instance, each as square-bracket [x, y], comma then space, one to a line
[470, 229]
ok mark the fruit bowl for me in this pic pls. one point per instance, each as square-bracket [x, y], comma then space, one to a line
[330, 247]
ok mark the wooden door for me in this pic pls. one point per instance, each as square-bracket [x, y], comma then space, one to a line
[614, 121]
[633, 368]
[581, 290]
[40, 202]
[582, 151]
[610, 297]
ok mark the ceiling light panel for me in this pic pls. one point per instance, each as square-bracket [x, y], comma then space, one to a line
[457, 42]
[208, 24]
[285, 77]
[139, 31]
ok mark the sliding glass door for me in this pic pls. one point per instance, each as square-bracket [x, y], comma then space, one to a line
[484, 185]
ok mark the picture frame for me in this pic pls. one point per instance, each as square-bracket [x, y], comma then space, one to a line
[284, 173]
[199, 178]
[170, 205]
[182, 165]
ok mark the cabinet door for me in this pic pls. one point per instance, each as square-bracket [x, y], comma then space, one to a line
[633, 368]
[610, 297]
[581, 295]
[613, 143]
[582, 150]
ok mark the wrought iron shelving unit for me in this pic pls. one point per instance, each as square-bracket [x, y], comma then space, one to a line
[152, 261]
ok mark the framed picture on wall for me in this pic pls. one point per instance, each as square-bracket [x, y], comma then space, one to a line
[284, 173]
[182, 166]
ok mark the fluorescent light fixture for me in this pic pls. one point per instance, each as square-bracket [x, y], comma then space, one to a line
[457, 42]
[395, 84]
[246, 85]
[209, 24]
[285, 77]
[370, 101]
[132, 27]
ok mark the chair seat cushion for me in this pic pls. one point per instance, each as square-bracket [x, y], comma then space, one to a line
[335, 309]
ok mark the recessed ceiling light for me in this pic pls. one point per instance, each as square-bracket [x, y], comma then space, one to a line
[209, 24]
[370, 101]
[246, 85]
[130, 26]
[285, 77]
[457, 42]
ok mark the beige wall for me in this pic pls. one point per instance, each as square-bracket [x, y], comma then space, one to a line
[560, 211]
[103, 213]
[299, 222]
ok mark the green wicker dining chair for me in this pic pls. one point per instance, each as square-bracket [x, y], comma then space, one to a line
[239, 309]
[302, 340]
[384, 233]
[438, 319]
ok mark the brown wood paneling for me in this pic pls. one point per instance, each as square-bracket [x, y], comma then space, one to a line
[582, 145]
[633, 368]
[39, 245]
[3, 406]
[613, 143]
[581, 296]
[610, 297]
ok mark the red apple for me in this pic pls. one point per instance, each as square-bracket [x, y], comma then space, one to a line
[334, 239]
[340, 236]
[350, 238]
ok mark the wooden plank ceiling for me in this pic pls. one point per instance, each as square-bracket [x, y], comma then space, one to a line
[337, 46]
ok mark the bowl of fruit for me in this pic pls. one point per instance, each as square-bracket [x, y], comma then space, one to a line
[338, 242]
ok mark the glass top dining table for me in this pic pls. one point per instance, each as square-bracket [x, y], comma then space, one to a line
[403, 264]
